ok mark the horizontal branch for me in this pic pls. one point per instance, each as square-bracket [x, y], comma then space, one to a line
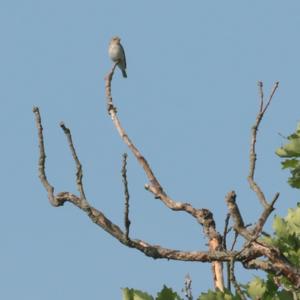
[154, 251]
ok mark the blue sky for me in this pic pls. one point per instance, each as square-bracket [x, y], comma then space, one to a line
[188, 103]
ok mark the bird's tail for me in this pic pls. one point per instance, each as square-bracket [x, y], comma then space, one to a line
[124, 73]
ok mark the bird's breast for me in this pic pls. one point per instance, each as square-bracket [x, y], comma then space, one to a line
[114, 52]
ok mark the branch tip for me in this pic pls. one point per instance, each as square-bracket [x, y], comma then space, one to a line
[79, 173]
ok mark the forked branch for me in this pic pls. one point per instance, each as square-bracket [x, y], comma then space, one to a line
[263, 108]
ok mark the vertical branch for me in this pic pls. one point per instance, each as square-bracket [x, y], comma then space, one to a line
[42, 159]
[225, 248]
[79, 173]
[253, 185]
[234, 240]
[236, 215]
[234, 282]
[108, 80]
[188, 287]
[225, 231]
[126, 193]
[216, 266]
[261, 94]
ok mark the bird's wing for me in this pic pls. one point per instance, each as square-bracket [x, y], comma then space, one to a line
[123, 52]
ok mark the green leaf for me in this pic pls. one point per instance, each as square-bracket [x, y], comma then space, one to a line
[256, 288]
[270, 285]
[293, 220]
[281, 152]
[279, 226]
[167, 294]
[132, 294]
[291, 150]
[290, 163]
[284, 295]
[294, 180]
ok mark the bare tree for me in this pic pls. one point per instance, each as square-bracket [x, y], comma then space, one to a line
[254, 254]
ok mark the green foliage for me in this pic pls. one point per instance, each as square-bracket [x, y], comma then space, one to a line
[132, 294]
[165, 294]
[256, 288]
[291, 151]
[286, 237]
[218, 295]
[266, 290]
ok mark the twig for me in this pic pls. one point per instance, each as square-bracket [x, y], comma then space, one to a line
[225, 231]
[261, 94]
[126, 193]
[253, 185]
[42, 158]
[225, 248]
[188, 287]
[234, 240]
[264, 216]
[234, 282]
[79, 173]
[275, 87]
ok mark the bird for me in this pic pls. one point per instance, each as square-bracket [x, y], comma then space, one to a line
[117, 54]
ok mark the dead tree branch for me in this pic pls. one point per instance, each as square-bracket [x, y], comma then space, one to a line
[154, 251]
[42, 159]
[126, 193]
[264, 216]
[188, 287]
[253, 185]
[79, 173]
[203, 216]
[236, 216]
[234, 282]
[251, 254]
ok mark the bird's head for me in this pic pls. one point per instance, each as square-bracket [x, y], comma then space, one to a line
[116, 39]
